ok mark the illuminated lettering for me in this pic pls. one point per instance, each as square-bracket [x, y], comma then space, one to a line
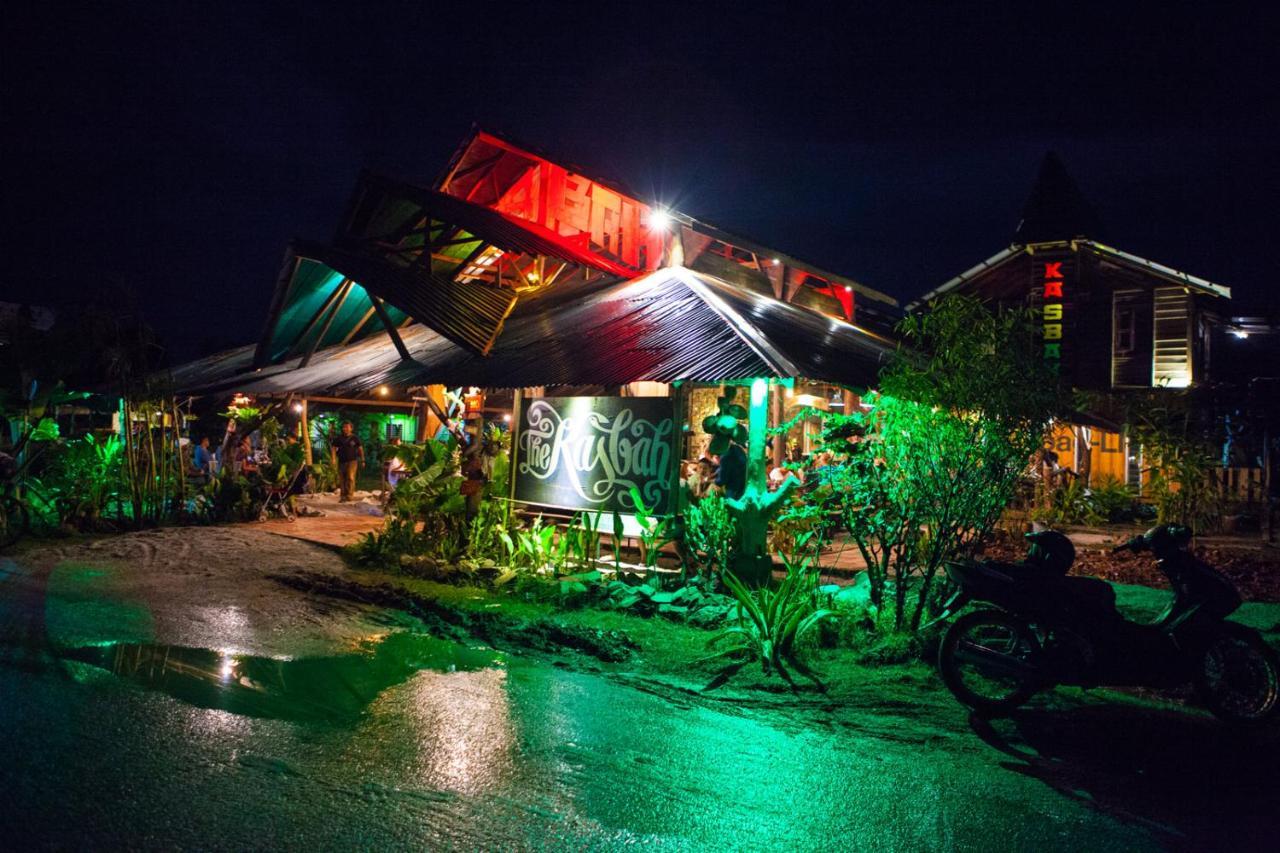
[1053, 331]
[1053, 350]
[1052, 289]
[1053, 270]
[1053, 311]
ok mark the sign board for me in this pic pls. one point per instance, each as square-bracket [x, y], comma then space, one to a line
[1049, 282]
[586, 453]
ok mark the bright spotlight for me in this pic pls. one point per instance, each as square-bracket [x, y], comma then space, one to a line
[383, 390]
[659, 220]
[1240, 333]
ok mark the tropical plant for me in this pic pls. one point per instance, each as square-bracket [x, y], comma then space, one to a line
[579, 545]
[772, 622]
[1112, 500]
[83, 480]
[324, 477]
[490, 536]
[653, 530]
[430, 497]
[712, 534]
[534, 546]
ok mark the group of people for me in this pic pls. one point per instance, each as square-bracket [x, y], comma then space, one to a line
[240, 456]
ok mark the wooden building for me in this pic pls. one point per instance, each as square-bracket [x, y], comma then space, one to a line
[1112, 321]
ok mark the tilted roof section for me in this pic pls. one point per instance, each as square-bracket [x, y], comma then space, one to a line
[466, 172]
[506, 232]
[671, 325]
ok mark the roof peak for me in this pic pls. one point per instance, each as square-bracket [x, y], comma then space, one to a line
[1056, 209]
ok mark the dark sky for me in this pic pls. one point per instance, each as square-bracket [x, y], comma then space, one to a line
[168, 151]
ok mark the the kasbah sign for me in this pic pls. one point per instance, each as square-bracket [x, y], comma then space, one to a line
[1053, 306]
[588, 453]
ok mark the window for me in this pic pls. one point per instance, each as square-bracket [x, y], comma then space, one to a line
[1124, 331]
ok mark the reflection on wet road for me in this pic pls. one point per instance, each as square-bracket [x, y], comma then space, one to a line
[142, 711]
[411, 742]
[335, 688]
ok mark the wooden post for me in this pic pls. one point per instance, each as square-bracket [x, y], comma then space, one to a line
[517, 410]
[305, 425]
[677, 393]
[778, 407]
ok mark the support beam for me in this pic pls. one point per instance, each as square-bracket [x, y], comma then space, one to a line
[345, 289]
[318, 316]
[358, 326]
[391, 328]
[305, 424]
[284, 286]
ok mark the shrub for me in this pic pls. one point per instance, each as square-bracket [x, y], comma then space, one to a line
[772, 622]
[712, 534]
[923, 472]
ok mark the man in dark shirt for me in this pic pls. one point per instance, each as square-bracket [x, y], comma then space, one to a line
[732, 473]
[350, 457]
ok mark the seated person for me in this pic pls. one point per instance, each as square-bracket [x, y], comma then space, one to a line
[242, 459]
[202, 462]
[702, 479]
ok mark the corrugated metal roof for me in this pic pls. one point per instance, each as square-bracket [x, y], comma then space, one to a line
[468, 313]
[673, 324]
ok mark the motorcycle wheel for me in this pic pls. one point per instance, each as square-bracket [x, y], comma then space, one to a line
[1238, 676]
[989, 660]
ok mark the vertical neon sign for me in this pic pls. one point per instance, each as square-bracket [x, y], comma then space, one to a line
[1053, 313]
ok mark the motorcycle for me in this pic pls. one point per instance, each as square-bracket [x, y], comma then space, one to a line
[1041, 628]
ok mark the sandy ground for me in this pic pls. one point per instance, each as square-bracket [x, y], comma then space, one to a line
[205, 587]
[341, 523]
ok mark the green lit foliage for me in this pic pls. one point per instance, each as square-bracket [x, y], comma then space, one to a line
[579, 547]
[32, 434]
[772, 622]
[153, 472]
[1112, 500]
[491, 534]
[426, 519]
[711, 532]
[534, 546]
[924, 472]
[802, 528]
[653, 530]
[83, 480]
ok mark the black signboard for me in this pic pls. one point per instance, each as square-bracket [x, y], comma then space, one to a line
[587, 452]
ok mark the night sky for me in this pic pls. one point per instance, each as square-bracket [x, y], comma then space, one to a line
[163, 154]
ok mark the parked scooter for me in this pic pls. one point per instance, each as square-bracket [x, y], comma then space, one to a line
[1044, 628]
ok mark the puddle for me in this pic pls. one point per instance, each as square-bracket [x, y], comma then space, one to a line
[333, 689]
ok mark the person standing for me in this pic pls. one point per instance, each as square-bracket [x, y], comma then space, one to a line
[350, 458]
[202, 459]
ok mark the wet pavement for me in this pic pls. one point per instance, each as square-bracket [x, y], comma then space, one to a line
[218, 710]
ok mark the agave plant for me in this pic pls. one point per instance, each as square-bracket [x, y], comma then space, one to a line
[771, 622]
